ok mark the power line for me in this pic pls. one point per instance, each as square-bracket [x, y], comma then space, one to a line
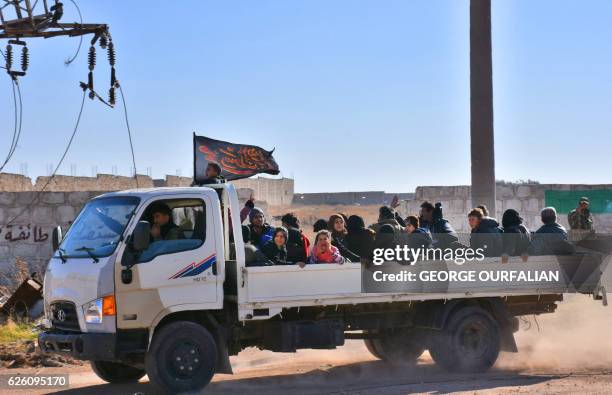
[127, 123]
[18, 122]
[37, 197]
[68, 61]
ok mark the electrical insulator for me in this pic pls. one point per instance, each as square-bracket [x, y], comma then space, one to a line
[113, 80]
[25, 58]
[91, 58]
[111, 53]
[111, 96]
[9, 57]
[90, 85]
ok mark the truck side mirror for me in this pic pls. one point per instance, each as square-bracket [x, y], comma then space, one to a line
[141, 236]
[56, 237]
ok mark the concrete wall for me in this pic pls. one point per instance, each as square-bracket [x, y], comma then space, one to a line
[29, 237]
[271, 191]
[275, 192]
[526, 199]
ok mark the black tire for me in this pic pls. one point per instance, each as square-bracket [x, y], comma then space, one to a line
[369, 343]
[182, 357]
[470, 341]
[116, 373]
[398, 346]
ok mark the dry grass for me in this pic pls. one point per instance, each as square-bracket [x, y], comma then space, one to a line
[12, 332]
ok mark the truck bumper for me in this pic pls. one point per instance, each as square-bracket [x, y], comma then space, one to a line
[85, 346]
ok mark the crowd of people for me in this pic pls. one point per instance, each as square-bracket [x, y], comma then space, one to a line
[343, 238]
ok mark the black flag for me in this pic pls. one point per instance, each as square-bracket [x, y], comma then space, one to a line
[236, 160]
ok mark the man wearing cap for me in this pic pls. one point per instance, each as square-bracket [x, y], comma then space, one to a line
[581, 218]
[260, 231]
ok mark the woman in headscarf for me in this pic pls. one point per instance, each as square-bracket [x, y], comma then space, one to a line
[275, 250]
[337, 227]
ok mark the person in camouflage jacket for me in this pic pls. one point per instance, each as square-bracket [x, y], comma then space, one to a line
[581, 218]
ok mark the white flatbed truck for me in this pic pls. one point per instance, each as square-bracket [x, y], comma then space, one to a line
[176, 310]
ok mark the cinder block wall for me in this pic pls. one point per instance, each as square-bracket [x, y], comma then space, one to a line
[526, 199]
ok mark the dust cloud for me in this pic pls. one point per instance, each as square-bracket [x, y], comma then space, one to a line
[577, 336]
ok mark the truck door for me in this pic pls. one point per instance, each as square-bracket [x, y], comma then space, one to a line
[178, 270]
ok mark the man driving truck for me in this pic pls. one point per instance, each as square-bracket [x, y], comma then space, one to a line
[163, 227]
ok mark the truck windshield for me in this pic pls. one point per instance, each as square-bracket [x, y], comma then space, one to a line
[98, 228]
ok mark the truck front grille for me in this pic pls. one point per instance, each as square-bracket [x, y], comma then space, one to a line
[64, 316]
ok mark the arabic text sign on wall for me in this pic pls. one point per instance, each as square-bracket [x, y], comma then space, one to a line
[15, 233]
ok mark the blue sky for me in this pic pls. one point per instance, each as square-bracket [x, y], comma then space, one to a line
[354, 95]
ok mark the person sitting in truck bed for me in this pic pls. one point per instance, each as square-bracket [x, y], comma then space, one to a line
[417, 236]
[260, 231]
[323, 251]
[516, 237]
[431, 218]
[298, 245]
[359, 239]
[275, 250]
[337, 226]
[163, 227]
[319, 224]
[484, 235]
[488, 220]
[551, 238]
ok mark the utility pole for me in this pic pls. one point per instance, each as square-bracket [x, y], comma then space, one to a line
[481, 106]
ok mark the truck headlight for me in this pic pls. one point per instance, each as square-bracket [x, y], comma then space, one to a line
[95, 310]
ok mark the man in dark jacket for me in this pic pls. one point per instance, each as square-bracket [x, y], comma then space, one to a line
[417, 236]
[551, 238]
[484, 236]
[442, 233]
[386, 215]
[260, 231]
[488, 220]
[164, 227]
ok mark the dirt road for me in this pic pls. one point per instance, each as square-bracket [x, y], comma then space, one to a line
[563, 353]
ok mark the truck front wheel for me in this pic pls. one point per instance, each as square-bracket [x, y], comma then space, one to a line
[397, 346]
[182, 357]
[116, 373]
[470, 341]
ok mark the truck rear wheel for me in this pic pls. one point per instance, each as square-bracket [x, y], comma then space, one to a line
[116, 373]
[469, 342]
[182, 357]
[398, 346]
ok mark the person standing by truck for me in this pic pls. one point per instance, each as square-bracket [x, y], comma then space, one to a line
[581, 218]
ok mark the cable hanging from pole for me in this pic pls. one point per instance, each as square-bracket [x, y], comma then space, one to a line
[40, 191]
[127, 124]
